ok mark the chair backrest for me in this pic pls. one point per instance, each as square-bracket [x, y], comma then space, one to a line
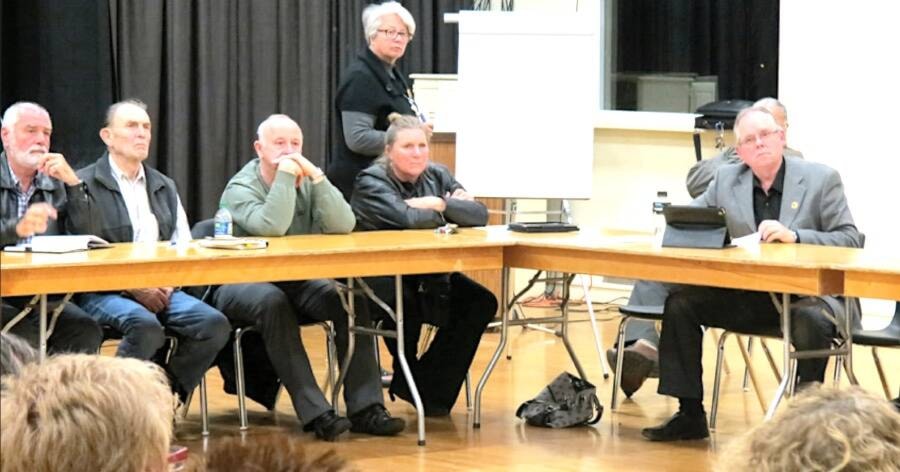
[203, 229]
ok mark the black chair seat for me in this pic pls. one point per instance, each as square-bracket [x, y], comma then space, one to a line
[887, 337]
[654, 312]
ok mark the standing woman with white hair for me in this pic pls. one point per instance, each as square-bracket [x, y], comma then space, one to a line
[371, 89]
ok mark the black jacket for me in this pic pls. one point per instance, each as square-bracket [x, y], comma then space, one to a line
[367, 88]
[98, 208]
[379, 200]
[47, 190]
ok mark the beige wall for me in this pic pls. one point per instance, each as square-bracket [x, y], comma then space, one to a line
[629, 167]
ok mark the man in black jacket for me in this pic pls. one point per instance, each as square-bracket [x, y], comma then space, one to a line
[33, 201]
[404, 190]
[123, 200]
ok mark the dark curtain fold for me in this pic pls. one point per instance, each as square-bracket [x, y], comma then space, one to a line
[736, 41]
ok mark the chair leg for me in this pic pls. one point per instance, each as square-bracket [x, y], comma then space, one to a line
[720, 357]
[752, 373]
[745, 384]
[468, 391]
[620, 356]
[239, 373]
[838, 365]
[884, 385]
[771, 359]
[204, 407]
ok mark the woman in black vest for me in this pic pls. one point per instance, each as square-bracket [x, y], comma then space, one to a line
[372, 88]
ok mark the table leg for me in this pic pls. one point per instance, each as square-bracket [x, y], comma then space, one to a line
[42, 330]
[786, 334]
[504, 327]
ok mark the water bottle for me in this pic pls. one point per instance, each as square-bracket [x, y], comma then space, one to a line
[222, 223]
[659, 219]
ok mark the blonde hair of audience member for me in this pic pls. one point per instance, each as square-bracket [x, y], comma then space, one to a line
[86, 412]
[822, 429]
[267, 453]
[15, 353]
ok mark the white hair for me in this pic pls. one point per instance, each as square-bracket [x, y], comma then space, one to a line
[270, 120]
[372, 15]
[11, 116]
[772, 104]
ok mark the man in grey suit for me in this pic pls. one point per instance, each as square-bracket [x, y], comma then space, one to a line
[640, 359]
[786, 200]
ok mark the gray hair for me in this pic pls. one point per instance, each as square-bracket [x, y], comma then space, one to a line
[271, 119]
[372, 14]
[15, 353]
[11, 116]
[114, 108]
[743, 114]
[771, 103]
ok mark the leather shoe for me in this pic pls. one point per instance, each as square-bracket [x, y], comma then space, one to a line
[328, 426]
[638, 363]
[376, 420]
[679, 427]
[431, 410]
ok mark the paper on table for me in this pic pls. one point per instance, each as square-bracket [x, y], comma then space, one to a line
[749, 241]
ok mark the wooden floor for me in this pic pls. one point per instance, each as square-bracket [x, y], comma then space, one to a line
[503, 442]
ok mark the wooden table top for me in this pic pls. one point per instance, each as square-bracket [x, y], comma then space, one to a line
[138, 265]
[794, 268]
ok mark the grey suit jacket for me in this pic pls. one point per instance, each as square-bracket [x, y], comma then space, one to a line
[813, 205]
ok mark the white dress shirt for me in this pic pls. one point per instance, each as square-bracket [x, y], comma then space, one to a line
[144, 225]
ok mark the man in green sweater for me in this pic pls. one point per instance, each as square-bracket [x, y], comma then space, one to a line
[282, 193]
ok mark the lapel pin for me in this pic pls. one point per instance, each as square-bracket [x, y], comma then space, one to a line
[794, 205]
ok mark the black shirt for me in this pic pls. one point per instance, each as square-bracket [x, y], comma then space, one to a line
[768, 206]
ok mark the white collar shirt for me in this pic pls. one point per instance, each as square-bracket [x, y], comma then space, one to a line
[144, 224]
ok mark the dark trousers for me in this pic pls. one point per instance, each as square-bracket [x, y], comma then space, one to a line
[276, 310]
[440, 372]
[688, 308]
[75, 330]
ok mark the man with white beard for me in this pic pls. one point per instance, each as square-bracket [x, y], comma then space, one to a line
[33, 201]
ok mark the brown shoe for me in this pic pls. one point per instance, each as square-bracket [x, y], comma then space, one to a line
[638, 361]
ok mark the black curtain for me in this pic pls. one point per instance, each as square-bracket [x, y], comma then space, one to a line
[209, 71]
[734, 40]
[56, 53]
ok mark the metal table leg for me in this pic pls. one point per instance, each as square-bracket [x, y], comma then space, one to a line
[504, 328]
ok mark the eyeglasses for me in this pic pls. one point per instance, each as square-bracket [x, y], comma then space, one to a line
[752, 139]
[394, 34]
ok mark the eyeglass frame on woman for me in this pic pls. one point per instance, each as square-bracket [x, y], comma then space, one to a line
[394, 34]
[761, 136]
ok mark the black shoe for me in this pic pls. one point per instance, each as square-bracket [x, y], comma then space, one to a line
[679, 427]
[376, 420]
[638, 363]
[328, 426]
[431, 410]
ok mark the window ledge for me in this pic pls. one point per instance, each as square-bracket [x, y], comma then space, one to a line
[645, 120]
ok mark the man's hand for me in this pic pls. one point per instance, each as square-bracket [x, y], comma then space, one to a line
[153, 299]
[427, 203]
[772, 231]
[301, 166]
[55, 166]
[461, 194]
[34, 221]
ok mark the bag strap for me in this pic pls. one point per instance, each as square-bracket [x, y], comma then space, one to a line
[599, 408]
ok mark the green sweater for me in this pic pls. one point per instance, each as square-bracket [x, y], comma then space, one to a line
[258, 210]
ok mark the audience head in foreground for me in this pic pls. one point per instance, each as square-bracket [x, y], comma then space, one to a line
[822, 429]
[271, 452]
[86, 412]
[15, 354]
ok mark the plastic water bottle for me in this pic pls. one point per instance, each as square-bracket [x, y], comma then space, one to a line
[659, 219]
[222, 223]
